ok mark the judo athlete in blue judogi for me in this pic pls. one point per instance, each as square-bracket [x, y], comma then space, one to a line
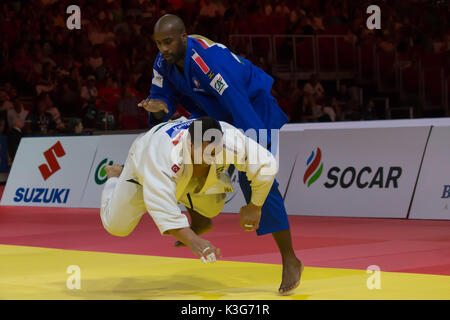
[207, 79]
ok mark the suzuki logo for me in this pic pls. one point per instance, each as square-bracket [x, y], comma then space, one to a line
[52, 164]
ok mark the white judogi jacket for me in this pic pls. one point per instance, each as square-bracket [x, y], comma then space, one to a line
[162, 159]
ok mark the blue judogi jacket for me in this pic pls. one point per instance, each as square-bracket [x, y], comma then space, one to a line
[219, 84]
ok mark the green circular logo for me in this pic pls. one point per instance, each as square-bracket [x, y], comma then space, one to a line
[100, 173]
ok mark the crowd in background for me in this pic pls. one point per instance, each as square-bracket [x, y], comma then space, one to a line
[56, 80]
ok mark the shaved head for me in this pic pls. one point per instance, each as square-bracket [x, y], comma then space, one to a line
[171, 38]
[170, 22]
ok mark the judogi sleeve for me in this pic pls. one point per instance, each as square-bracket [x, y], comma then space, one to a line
[256, 161]
[159, 190]
[163, 90]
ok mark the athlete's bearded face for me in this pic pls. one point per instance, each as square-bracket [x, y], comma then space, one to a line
[171, 44]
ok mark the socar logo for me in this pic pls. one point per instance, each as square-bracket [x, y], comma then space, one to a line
[314, 167]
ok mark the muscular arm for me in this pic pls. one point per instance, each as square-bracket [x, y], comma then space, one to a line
[184, 235]
[200, 247]
[260, 167]
[162, 101]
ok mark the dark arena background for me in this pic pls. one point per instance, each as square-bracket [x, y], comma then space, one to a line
[363, 160]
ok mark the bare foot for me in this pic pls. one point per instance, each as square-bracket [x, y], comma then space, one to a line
[199, 228]
[292, 272]
[113, 171]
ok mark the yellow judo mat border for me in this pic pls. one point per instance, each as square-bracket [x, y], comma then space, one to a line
[42, 273]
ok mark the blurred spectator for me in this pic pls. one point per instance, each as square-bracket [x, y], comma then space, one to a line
[69, 99]
[313, 92]
[108, 96]
[65, 69]
[268, 10]
[317, 112]
[350, 37]
[209, 19]
[297, 98]
[18, 111]
[314, 88]
[4, 53]
[307, 27]
[447, 42]
[98, 33]
[328, 111]
[23, 64]
[130, 116]
[75, 81]
[143, 84]
[117, 10]
[46, 82]
[210, 9]
[439, 46]
[343, 95]
[293, 17]
[386, 44]
[317, 23]
[14, 137]
[83, 49]
[190, 11]
[282, 9]
[12, 93]
[89, 92]
[326, 115]
[40, 60]
[351, 111]
[370, 111]
[75, 126]
[337, 108]
[47, 41]
[58, 46]
[5, 102]
[149, 10]
[7, 87]
[86, 69]
[96, 60]
[3, 122]
[41, 121]
[133, 77]
[123, 28]
[54, 111]
[128, 102]
[294, 100]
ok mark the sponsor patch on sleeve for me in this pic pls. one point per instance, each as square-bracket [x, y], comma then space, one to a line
[199, 61]
[157, 79]
[219, 84]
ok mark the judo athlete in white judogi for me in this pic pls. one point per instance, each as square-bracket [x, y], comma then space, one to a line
[186, 162]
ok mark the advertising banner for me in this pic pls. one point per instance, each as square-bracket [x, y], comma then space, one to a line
[112, 149]
[432, 196]
[50, 171]
[358, 172]
[367, 172]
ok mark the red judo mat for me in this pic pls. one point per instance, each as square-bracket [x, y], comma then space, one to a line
[396, 245]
